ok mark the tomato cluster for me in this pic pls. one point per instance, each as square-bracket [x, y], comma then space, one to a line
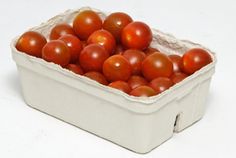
[115, 52]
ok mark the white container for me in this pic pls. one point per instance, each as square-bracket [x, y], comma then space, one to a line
[138, 124]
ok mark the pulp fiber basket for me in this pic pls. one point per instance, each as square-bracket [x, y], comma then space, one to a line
[138, 124]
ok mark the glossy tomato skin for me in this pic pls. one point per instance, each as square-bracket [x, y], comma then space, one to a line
[157, 65]
[92, 57]
[85, 23]
[135, 58]
[115, 23]
[117, 68]
[195, 59]
[121, 85]
[56, 51]
[103, 38]
[136, 35]
[150, 50]
[96, 76]
[161, 84]
[75, 68]
[74, 45]
[143, 91]
[61, 30]
[137, 81]
[31, 43]
[177, 62]
[178, 77]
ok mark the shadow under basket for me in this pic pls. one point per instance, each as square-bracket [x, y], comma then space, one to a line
[138, 124]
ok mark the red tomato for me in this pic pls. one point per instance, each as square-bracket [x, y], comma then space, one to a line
[75, 46]
[31, 43]
[56, 51]
[136, 81]
[177, 62]
[96, 76]
[151, 50]
[119, 49]
[85, 23]
[61, 30]
[135, 58]
[143, 91]
[117, 68]
[136, 35]
[161, 84]
[195, 59]
[177, 77]
[157, 65]
[92, 57]
[103, 38]
[121, 85]
[115, 23]
[75, 68]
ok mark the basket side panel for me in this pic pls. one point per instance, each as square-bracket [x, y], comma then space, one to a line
[191, 107]
[123, 127]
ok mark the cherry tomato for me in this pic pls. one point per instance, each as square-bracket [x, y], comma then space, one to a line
[177, 62]
[115, 23]
[157, 65]
[135, 58]
[96, 76]
[117, 68]
[103, 38]
[75, 68]
[150, 50]
[177, 77]
[85, 23]
[60, 30]
[136, 35]
[56, 51]
[195, 59]
[161, 84]
[92, 57]
[143, 91]
[31, 43]
[75, 46]
[121, 85]
[119, 49]
[136, 81]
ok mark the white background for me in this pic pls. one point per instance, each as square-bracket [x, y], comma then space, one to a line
[27, 133]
